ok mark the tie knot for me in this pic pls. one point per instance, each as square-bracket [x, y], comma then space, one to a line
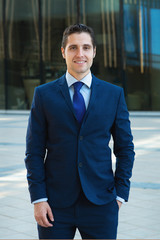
[77, 86]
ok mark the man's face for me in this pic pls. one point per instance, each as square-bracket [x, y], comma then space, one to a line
[79, 54]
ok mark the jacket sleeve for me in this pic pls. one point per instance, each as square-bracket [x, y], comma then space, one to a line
[123, 149]
[36, 149]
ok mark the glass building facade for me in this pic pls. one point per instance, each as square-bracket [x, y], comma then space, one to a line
[128, 47]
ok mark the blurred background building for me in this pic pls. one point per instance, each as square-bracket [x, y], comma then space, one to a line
[128, 43]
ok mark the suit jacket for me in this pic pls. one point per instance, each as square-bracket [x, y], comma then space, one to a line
[63, 157]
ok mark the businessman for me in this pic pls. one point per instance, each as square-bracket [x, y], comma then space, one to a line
[68, 159]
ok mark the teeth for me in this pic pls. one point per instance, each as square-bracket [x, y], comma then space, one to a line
[80, 62]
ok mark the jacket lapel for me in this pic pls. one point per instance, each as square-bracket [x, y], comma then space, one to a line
[94, 90]
[65, 92]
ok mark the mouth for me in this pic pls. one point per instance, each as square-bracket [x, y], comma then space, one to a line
[80, 62]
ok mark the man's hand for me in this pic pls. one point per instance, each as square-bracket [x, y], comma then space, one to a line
[41, 211]
[119, 204]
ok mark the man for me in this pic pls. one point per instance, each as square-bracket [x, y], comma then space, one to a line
[68, 159]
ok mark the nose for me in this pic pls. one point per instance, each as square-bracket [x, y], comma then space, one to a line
[80, 52]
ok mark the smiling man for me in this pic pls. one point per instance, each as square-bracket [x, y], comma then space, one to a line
[79, 53]
[70, 176]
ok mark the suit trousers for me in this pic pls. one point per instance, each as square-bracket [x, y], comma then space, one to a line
[92, 221]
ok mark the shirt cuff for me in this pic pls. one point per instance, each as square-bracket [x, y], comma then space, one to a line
[120, 199]
[40, 200]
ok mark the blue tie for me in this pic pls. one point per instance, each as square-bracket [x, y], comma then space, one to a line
[78, 102]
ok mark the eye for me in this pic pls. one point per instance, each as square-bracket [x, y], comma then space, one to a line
[86, 47]
[72, 48]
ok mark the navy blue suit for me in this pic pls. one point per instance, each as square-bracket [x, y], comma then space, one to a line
[78, 157]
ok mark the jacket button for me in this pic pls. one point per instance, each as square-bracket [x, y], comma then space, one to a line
[80, 164]
[81, 138]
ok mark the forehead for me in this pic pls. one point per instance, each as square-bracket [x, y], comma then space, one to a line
[79, 39]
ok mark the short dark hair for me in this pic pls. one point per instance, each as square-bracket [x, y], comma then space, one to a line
[77, 28]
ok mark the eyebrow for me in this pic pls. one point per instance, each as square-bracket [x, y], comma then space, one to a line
[72, 45]
[87, 45]
[75, 45]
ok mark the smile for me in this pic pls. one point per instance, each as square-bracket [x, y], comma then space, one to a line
[79, 62]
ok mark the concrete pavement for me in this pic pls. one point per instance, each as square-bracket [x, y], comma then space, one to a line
[138, 219]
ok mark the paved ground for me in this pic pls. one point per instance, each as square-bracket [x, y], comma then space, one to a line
[139, 219]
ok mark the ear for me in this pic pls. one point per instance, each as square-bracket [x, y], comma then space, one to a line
[63, 52]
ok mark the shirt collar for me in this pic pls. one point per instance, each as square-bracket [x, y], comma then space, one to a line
[87, 80]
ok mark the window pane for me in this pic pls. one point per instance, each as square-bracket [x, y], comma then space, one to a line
[56, 16]
[103, 17]
[155, 57]
[128, 52]
[2, 88]
[23, 52]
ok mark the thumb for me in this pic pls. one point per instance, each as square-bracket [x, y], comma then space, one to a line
[50, 214]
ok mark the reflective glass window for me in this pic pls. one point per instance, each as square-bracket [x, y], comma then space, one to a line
[128, 49]
[22, 51]
[56, 16]
[2, 59]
